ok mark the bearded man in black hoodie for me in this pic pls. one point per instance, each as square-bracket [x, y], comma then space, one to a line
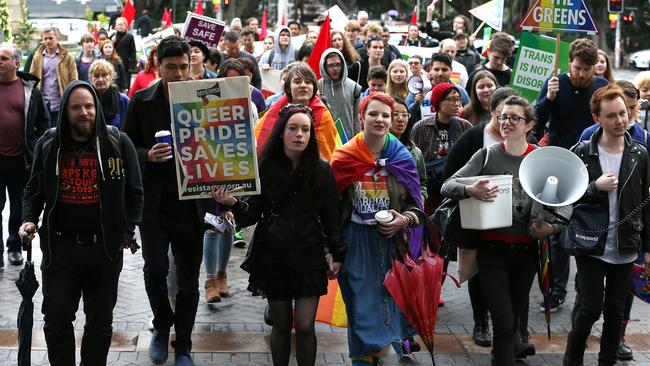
[86, 181]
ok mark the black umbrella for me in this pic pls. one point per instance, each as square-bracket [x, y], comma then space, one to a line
[27, 285]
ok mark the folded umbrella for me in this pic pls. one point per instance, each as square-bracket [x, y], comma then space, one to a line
[27, 285]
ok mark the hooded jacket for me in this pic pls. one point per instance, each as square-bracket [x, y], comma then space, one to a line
[280, 58]
[342, 95]
[121, 195]
[37, 119]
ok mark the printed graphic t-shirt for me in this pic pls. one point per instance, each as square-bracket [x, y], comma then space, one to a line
[370, 196]
[77, 209]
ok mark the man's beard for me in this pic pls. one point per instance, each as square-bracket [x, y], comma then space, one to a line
[581, 83]
[84, 130]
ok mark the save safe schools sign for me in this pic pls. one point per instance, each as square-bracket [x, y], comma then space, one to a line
[559, 16]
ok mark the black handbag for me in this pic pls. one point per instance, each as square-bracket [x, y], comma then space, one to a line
[447, 219]
[586, 232]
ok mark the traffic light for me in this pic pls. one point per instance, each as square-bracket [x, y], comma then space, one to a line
[615, 6]
[628, 18]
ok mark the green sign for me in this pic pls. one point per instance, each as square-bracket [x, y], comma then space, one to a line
[535, 62]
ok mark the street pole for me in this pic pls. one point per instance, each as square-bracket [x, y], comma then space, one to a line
[417, 12]
[173, 11]
[617, 44]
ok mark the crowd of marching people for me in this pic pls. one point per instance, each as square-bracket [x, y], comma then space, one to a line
[80, 146]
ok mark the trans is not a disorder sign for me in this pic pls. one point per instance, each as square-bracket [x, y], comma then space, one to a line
[214, 143]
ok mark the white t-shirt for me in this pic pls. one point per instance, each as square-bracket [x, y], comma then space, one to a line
[487, 139]
[611, 163]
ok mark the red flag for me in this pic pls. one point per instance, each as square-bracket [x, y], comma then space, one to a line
[128, 13]
[95, 32]
[414, 16]
[322, 43]
[166, 19]
[284, 20]
[199, 8]
[263, 32]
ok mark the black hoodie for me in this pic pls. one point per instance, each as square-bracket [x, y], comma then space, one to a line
[120, 184]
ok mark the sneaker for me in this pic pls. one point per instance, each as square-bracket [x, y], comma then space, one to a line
[239, 240]
[555, 304]
[15, 258]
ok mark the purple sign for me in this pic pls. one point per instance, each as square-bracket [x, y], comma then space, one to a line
[203, 29]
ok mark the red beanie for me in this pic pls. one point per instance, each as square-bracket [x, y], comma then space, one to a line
[439, 92]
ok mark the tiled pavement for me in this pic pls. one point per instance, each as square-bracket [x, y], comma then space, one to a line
[233, 332]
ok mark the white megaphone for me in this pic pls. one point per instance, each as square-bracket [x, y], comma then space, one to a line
[553, 177]
[416, 85]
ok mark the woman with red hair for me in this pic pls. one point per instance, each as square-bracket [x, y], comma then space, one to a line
[376, 175]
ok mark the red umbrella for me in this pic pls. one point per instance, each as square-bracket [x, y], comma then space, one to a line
[416, 286]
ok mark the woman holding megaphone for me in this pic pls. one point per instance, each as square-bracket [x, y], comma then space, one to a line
[506, 257]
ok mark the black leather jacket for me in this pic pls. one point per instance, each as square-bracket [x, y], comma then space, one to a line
[634, 183]
[294, 228]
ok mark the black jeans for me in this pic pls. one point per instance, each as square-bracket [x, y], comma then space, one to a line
[560, 269]
[602, 287]
[506, 273]
[77, 270]
[13, 177]
[187, 246]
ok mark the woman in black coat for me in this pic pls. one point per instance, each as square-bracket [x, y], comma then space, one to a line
[297, 242]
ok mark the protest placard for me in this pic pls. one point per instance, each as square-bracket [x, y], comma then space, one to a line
[491, 13]
[271, 80]
[214, 143]
[535, 62]
[203, 29]
[338, 19]
[152, 40]
[558, 16]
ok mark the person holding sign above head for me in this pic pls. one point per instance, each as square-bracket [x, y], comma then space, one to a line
[563, 103]
[200, 55]
[166, 219]
[297, 243]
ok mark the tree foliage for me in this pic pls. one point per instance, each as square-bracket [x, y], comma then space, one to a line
[25, 31]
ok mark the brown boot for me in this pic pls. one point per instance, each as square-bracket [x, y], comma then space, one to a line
[222, 283]
[212, 290]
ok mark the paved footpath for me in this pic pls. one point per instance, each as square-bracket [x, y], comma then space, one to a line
[233, 332]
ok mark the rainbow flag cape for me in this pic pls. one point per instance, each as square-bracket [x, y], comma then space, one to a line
[354, 159]
[331, 308]
[327, 135]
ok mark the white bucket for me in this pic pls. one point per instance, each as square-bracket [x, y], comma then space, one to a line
[479, 215]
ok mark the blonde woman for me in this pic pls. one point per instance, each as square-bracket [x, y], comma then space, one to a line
[398, 74]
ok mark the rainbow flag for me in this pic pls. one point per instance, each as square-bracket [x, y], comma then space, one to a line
[331, 308]
[327, 135]
[341, 130]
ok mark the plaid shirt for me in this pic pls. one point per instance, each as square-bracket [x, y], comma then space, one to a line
[430, 140]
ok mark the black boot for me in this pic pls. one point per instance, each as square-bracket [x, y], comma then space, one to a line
[522, 345]
[624, 352]
[481, 334]
[575, 350]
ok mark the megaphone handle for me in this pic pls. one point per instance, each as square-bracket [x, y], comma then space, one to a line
[540, 220]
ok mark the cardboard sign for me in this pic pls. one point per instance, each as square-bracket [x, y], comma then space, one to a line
[558, 16]
[214, 143]
[271, 80]
[535, 62]
[491, 13]
[338, 19]
[203, 29]
[153, 39]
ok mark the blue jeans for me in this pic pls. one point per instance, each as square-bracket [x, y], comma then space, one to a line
[13, 177]
[216, 251]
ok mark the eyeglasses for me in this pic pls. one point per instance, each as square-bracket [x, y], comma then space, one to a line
[334, 66]
[453, 100]
[402, 114]
[513, 120]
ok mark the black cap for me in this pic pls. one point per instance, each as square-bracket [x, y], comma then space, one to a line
[204, 49]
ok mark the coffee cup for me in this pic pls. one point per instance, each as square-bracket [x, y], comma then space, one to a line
[164, 137]
[383, 217]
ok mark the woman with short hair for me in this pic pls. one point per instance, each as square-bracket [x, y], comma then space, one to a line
[113, 102]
